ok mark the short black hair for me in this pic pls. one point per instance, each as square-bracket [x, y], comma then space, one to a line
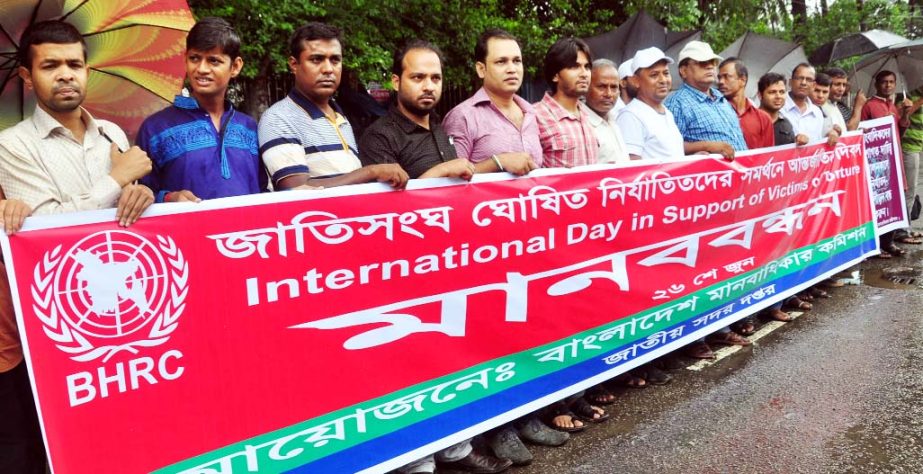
[835, 72]
[799, 66]
[823, 80]
[313, 31]
[739, 66]
[480, 48]
[213, 32]
[397, 66]
[883, 74]
[51, 31]
[562, 55]
[769, 79]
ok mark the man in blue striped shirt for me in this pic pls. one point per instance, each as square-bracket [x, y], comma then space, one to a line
[704, 117]
[304, 138]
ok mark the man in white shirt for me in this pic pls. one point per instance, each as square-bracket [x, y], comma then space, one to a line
[646, 125]
[601, 99]
[805, 117]
[833, 119]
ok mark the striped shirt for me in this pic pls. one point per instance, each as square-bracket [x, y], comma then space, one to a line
[567, 140]
[296, 137]
[701, 117]
[480, 130]
[43, 164]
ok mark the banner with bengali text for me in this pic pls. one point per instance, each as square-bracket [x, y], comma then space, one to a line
[359, 328]
[886, 173]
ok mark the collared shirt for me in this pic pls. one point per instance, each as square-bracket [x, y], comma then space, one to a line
[568, 140]
[810, 122]
[480, 130]
[701, 117]
[783, 131]
[43, 164]
[756, 126]
[188, 152]
[648, 133]
[396, 139]
[878, 107]
[297, 138]
[611, 144]
[832, 117]
[845, 110]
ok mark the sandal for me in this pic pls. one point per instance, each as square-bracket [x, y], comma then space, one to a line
[744, 327]
[819, 293]
[729, 338]
[884, 255]
[893, 250]
[700, 350]
[778, 315]
[806, 296]
[557, 416]
[797, 303]
[632, 379]
[655, 376]
[589, 413]
[598, 395]
[907, 239]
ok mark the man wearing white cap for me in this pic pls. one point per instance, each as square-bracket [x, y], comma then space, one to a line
[704, 117]
[601, 99]
[646, 125]
[628, 92]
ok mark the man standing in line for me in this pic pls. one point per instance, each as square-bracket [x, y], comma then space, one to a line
[704, 117]
[495, 128]
[201, 147]
[565, 131]
[57, 161]
[627, 91]
[820, 96]
[754, 123]
[805, 117]
[839, 91]
[646, 124]
[304, 138]
[772, 93]
[601, 99]
[882, 105]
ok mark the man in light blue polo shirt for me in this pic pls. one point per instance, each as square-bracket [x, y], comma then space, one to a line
[704, 117]
[304, 138]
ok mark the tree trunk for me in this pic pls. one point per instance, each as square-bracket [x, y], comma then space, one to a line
[256, 98]
[800, 18]
[823, 7]
[863, 25]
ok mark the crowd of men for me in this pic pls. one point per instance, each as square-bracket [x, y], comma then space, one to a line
[61, 159]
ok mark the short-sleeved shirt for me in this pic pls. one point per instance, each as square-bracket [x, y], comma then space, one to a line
[396, 139]
[479, 130]
[912, 140]
[756, 126]
[188, 152]
[568, 140]
[845, 110]
[296, 137]
[832, 117]
[783, 131]
[43, 165]
[611, 144]
[705, 117]
[810, 122]
[878, 107]
[648, 133]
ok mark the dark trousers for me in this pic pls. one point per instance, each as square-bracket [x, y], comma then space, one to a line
[21, 447]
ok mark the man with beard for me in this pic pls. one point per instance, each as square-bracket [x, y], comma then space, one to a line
[754, 123]
[305, 140]
[565, 131]
[601, 99]
[647, 126]
[704, 117]
[410, 136]
[627, 92]
[495, 128]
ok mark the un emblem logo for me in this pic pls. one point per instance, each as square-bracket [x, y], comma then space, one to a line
[113, 291]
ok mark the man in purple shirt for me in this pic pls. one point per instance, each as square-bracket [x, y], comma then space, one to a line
[496, 129]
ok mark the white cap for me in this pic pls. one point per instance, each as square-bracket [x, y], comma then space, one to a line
[648, 57]
[625, 69]
[698, 51]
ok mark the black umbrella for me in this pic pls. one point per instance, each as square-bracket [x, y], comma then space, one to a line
[854, 45]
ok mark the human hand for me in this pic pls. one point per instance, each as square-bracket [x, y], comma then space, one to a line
[723, 149]
[130, 166]
[833, 137]
[801, 139]
[457, 168]
[517, 163]
[861, 99]
[390, 173]
[13, 212]
[134, 200]
[181, 196]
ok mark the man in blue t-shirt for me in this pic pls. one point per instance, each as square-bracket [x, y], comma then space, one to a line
[201, 147]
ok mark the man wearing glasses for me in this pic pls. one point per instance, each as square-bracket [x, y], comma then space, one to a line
[806, 118]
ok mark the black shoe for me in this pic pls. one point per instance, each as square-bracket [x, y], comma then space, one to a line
[477, 463]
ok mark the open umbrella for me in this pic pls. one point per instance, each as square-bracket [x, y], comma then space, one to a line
[135, 55]
[639, 32]
[854, 45]
[762, 54]
[904, 59]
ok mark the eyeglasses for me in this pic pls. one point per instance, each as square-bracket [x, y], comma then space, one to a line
[807, 79]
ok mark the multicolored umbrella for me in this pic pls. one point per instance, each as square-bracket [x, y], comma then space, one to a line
[135, 51]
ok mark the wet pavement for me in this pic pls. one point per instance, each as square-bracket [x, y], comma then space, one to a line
[839, 390]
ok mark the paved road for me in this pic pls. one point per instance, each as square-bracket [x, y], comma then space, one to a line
[839, 390]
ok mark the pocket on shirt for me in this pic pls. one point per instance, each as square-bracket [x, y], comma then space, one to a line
[563, 143]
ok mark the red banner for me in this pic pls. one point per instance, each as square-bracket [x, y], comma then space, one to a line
[359, 328]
